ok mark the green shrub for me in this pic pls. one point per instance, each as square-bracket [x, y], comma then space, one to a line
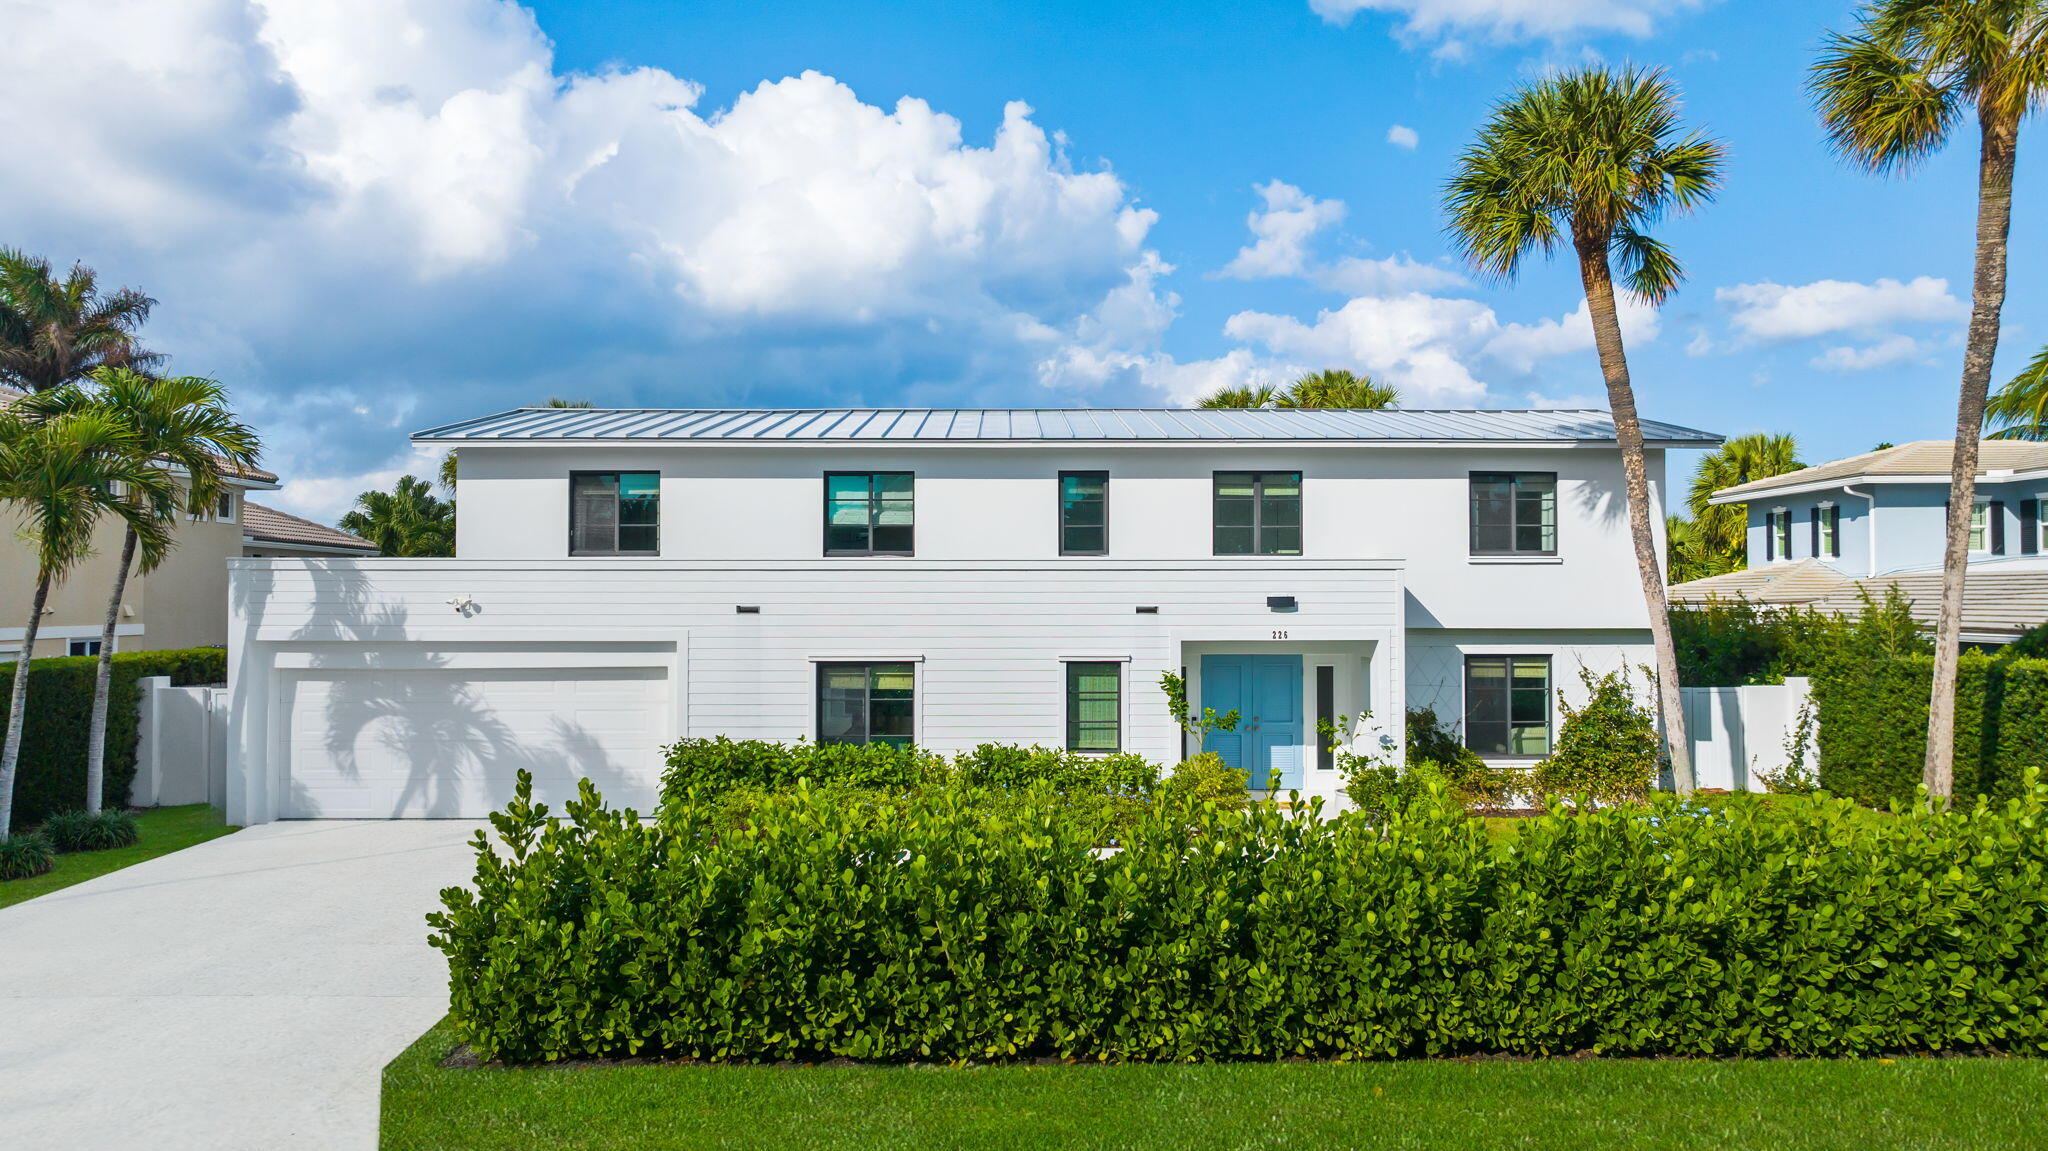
[23, 856]
[53, 740]
[1607, 751]
[112, 827]
[1004, 765]
[948, 930]
[1872, 724]
[1206, 778]
[1730, 642]
[722, 762]
[1430, 740]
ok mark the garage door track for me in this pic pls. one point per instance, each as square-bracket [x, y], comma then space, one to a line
[243, 993]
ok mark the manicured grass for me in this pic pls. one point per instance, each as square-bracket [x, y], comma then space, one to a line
[164, 830]
[1580, 1105]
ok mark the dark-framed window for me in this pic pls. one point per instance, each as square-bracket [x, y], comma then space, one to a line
[1326, 716]
[1084, 513]
[870, 513]
[1514, 513]
[614, 513]
[867, 703]
[1258, 514]
[1507, 704]
[1095, 706]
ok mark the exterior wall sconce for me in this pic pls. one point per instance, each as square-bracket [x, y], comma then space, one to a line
[1149, 610]
[1281, 603]
[747, 608]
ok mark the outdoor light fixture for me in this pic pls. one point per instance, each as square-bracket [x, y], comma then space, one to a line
[1153, 610]
[747, 608]
[464, 606]
[1280, 602]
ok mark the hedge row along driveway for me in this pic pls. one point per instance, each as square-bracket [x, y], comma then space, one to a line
[964, 930]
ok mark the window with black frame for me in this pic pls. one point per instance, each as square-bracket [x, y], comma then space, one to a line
[1084, 513]
[615, 514]
[867, 703]
[1094, 706]
[1507, 704]
[1258, 513]
[869, 513]
[1514, 513]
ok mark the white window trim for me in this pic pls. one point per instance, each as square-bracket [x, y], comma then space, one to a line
[1980, 508]
[1830, 547]
[1781, 540]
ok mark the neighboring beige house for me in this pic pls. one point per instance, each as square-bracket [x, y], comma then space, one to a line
[183, 603]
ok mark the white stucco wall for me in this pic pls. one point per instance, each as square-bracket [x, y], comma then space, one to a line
[999, 503]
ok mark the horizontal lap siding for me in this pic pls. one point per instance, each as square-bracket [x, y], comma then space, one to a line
[991, 639]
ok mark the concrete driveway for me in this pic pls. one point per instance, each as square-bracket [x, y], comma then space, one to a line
[244, 993]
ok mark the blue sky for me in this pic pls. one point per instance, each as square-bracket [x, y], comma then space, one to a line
[369, 217]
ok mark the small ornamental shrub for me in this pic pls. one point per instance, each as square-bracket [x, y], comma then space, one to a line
[1205, 778]
[1004, 765]
[25, 855]
[82, 831]
[1607, 750]
[722, 762]
[951, 928]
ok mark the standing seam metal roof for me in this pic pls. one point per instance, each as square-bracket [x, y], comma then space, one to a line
[861, 425]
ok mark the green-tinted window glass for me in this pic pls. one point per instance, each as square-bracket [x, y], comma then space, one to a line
[1257, 513]
[870, 513]
[1084, 513]
[1514, 513]
[1507, 704]
[1094, 706]
[614, 513]
[867, 703]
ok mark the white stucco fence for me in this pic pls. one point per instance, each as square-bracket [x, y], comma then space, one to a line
[1740, 734]
[181, 753]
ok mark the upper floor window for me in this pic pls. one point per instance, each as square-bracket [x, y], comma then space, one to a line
[1507, 704]
[221, 511]
[869, 514]
[1514, 513]
[1095, 706]
[1258, 513]
[614, 513]
[1084, 513]
[1980, 526]
[1827, 531]
[1778, 534]
[867, 703]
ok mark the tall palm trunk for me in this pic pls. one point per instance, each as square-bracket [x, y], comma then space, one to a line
[1628, 432]
[103, 684]
[17, 703]
[1994, 224]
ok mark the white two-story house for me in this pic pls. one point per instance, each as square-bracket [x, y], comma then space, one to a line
[946, 578]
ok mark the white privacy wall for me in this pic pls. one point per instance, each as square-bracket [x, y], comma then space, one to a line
[988, 639]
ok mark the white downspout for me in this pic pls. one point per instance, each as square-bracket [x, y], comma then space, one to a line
[1871, 531]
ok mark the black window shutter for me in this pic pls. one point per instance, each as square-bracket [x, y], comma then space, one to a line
[1997, 527]
[2030, 527]
[1770, 536]
[1813, 530]
[1835, 532]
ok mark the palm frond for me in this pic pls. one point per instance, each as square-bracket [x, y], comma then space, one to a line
[1882, 107]
[2020, 408]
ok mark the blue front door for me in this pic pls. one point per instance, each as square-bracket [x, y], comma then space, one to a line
[1265, 691]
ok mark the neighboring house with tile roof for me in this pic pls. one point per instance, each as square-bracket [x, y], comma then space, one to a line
[1824, 536]
[183, 603]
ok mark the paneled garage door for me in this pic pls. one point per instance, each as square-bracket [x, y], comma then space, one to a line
[447, 743]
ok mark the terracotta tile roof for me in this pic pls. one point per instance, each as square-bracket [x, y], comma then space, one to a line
[2001, 598]
[1928, 458]
[268, 525]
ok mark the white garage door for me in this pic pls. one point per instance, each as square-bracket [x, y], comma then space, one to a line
[451, 743]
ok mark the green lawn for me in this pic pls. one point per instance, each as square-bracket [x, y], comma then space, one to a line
[164, 830]
[1579, 1105]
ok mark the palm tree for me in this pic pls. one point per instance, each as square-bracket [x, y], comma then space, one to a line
[55, 332]
[2021, 406]
[1721, 531]
[183, 427]
[60, 476]
[449, 467]
[1889, 93]
[1337, 388]
[1594, 157]
[1330, 388]
[1685, 556]
[408, 520]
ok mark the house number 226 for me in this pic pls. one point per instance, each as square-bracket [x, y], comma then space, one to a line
[1279, 635]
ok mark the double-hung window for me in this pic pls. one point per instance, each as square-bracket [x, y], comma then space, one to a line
[1827, 531]
[1980, 526]
[869, 514]
[614, 513]
[1095, 706]
[1258, 514]
[1084, 513]
[1778, 543]
[1507, 704]
[867, 703]
[1514, 513]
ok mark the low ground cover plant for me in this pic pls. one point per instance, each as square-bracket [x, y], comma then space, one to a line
[70, 831]
[25, 855]
[952, 930]
[1436, 758]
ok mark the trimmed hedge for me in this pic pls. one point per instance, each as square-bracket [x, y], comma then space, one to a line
[946, 931]
[722, 762]
[53, 741]
[1872, 718]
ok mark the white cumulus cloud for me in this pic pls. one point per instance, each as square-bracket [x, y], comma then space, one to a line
[1884, 353]
[1770, 311]
[1402, 136]
[1449, 22]
[1284, 231]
